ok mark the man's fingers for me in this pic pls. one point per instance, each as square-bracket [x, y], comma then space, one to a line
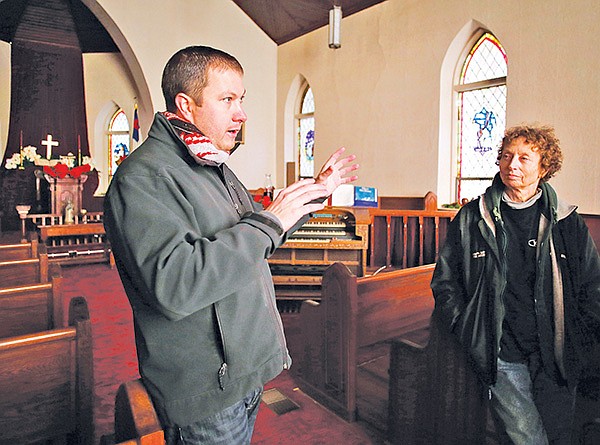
[296, 190]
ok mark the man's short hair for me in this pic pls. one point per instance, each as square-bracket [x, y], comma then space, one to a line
[187, 72]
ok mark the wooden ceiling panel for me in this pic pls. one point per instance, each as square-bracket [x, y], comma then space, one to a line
[284, 20]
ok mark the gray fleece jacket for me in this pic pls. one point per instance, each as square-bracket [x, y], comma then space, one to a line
[191, 249]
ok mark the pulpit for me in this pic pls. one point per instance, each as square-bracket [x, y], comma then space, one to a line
[65, 190]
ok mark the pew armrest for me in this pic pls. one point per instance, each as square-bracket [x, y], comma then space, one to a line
[135, 417]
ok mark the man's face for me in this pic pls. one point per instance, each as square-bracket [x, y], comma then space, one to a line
[220, 114]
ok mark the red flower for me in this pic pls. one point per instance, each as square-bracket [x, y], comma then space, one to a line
[76, 172]
[263, 199]
[61, 170]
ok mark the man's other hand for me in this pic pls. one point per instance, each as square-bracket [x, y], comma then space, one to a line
[293, 202]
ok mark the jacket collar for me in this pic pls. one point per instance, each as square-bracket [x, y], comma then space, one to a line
[552, 207]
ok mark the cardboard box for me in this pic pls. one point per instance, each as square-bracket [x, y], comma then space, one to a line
[348, 195]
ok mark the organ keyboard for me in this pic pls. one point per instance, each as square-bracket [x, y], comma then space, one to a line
[331, 235]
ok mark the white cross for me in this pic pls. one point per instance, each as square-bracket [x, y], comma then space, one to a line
[49, 143]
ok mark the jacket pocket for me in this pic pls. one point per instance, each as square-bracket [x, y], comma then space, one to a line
[223, 376]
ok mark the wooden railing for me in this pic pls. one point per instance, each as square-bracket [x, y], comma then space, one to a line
[81, 241]
[406, 231]
[406, 238]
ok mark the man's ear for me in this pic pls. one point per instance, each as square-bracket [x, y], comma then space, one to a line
[184, 104]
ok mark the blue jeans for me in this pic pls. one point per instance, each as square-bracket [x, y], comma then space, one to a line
[530, 406]
[234, 425]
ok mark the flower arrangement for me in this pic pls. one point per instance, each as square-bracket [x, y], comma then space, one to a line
[69, 168]
[61, 170]
[66, 166]
[27, 156]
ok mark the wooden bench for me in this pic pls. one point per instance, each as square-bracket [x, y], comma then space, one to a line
[342, 357]
[77, 243]
[434, 394]
[25, 271]
[136, 421]
[31, 308]
[46, 383]
[19, 251]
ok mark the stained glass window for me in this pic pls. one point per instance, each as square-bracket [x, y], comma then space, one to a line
[118, 140]
[481, 115]
[306, 134]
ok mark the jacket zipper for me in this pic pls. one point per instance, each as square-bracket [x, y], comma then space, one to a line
[503, 270]
[223, 368]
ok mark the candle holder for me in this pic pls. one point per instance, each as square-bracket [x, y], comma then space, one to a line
[23, 211]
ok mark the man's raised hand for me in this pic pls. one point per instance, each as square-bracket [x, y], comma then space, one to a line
[334, 172]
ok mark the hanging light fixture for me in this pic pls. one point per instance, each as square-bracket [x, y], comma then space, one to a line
[335, 27]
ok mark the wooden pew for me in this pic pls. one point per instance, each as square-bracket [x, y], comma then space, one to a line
[77, 243]
[434, 395]
[19, 251]
[46, 383]
[136, 421]
[343, 354]
[25, 271]
[31, 308]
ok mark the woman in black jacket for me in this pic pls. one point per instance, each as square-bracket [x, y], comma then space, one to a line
[518, 282]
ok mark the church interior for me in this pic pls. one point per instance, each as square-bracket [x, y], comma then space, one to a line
[390, 80]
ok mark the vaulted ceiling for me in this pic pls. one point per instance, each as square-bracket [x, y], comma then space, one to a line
[284, 20]
[281, 20]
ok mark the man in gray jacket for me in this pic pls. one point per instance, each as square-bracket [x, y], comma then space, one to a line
[191, 247]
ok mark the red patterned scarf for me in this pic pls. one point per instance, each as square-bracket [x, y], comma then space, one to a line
[199, 146]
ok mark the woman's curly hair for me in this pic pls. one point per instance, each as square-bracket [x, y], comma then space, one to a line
[541, 138]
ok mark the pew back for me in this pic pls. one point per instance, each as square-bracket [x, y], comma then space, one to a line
[19, 251]
[31, 308]
[24, 271]
[392, 303]
[46, 383]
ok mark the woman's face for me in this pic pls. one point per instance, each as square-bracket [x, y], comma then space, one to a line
[521, 170]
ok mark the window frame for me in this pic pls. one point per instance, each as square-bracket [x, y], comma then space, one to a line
[460, 88]
[110, 132]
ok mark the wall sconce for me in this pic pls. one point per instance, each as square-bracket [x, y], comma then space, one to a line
[335, 26]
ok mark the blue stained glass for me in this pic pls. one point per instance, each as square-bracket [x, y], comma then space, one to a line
[482, 116]
[306, 135]
[118, 140]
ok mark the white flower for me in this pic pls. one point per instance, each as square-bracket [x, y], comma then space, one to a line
[30, 153]
[88, 160]
[13, 162]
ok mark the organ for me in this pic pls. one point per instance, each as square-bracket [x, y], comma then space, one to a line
[334, 234]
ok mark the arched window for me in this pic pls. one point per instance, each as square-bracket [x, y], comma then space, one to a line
[481, 115]
[306, 133]
[118, 140]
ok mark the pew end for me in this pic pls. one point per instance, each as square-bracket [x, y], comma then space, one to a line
[346, 339]
[435, 395]
[136, 421]
[46, 383]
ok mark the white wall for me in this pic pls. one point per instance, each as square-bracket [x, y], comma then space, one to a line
[108, 87]
[379, 94]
